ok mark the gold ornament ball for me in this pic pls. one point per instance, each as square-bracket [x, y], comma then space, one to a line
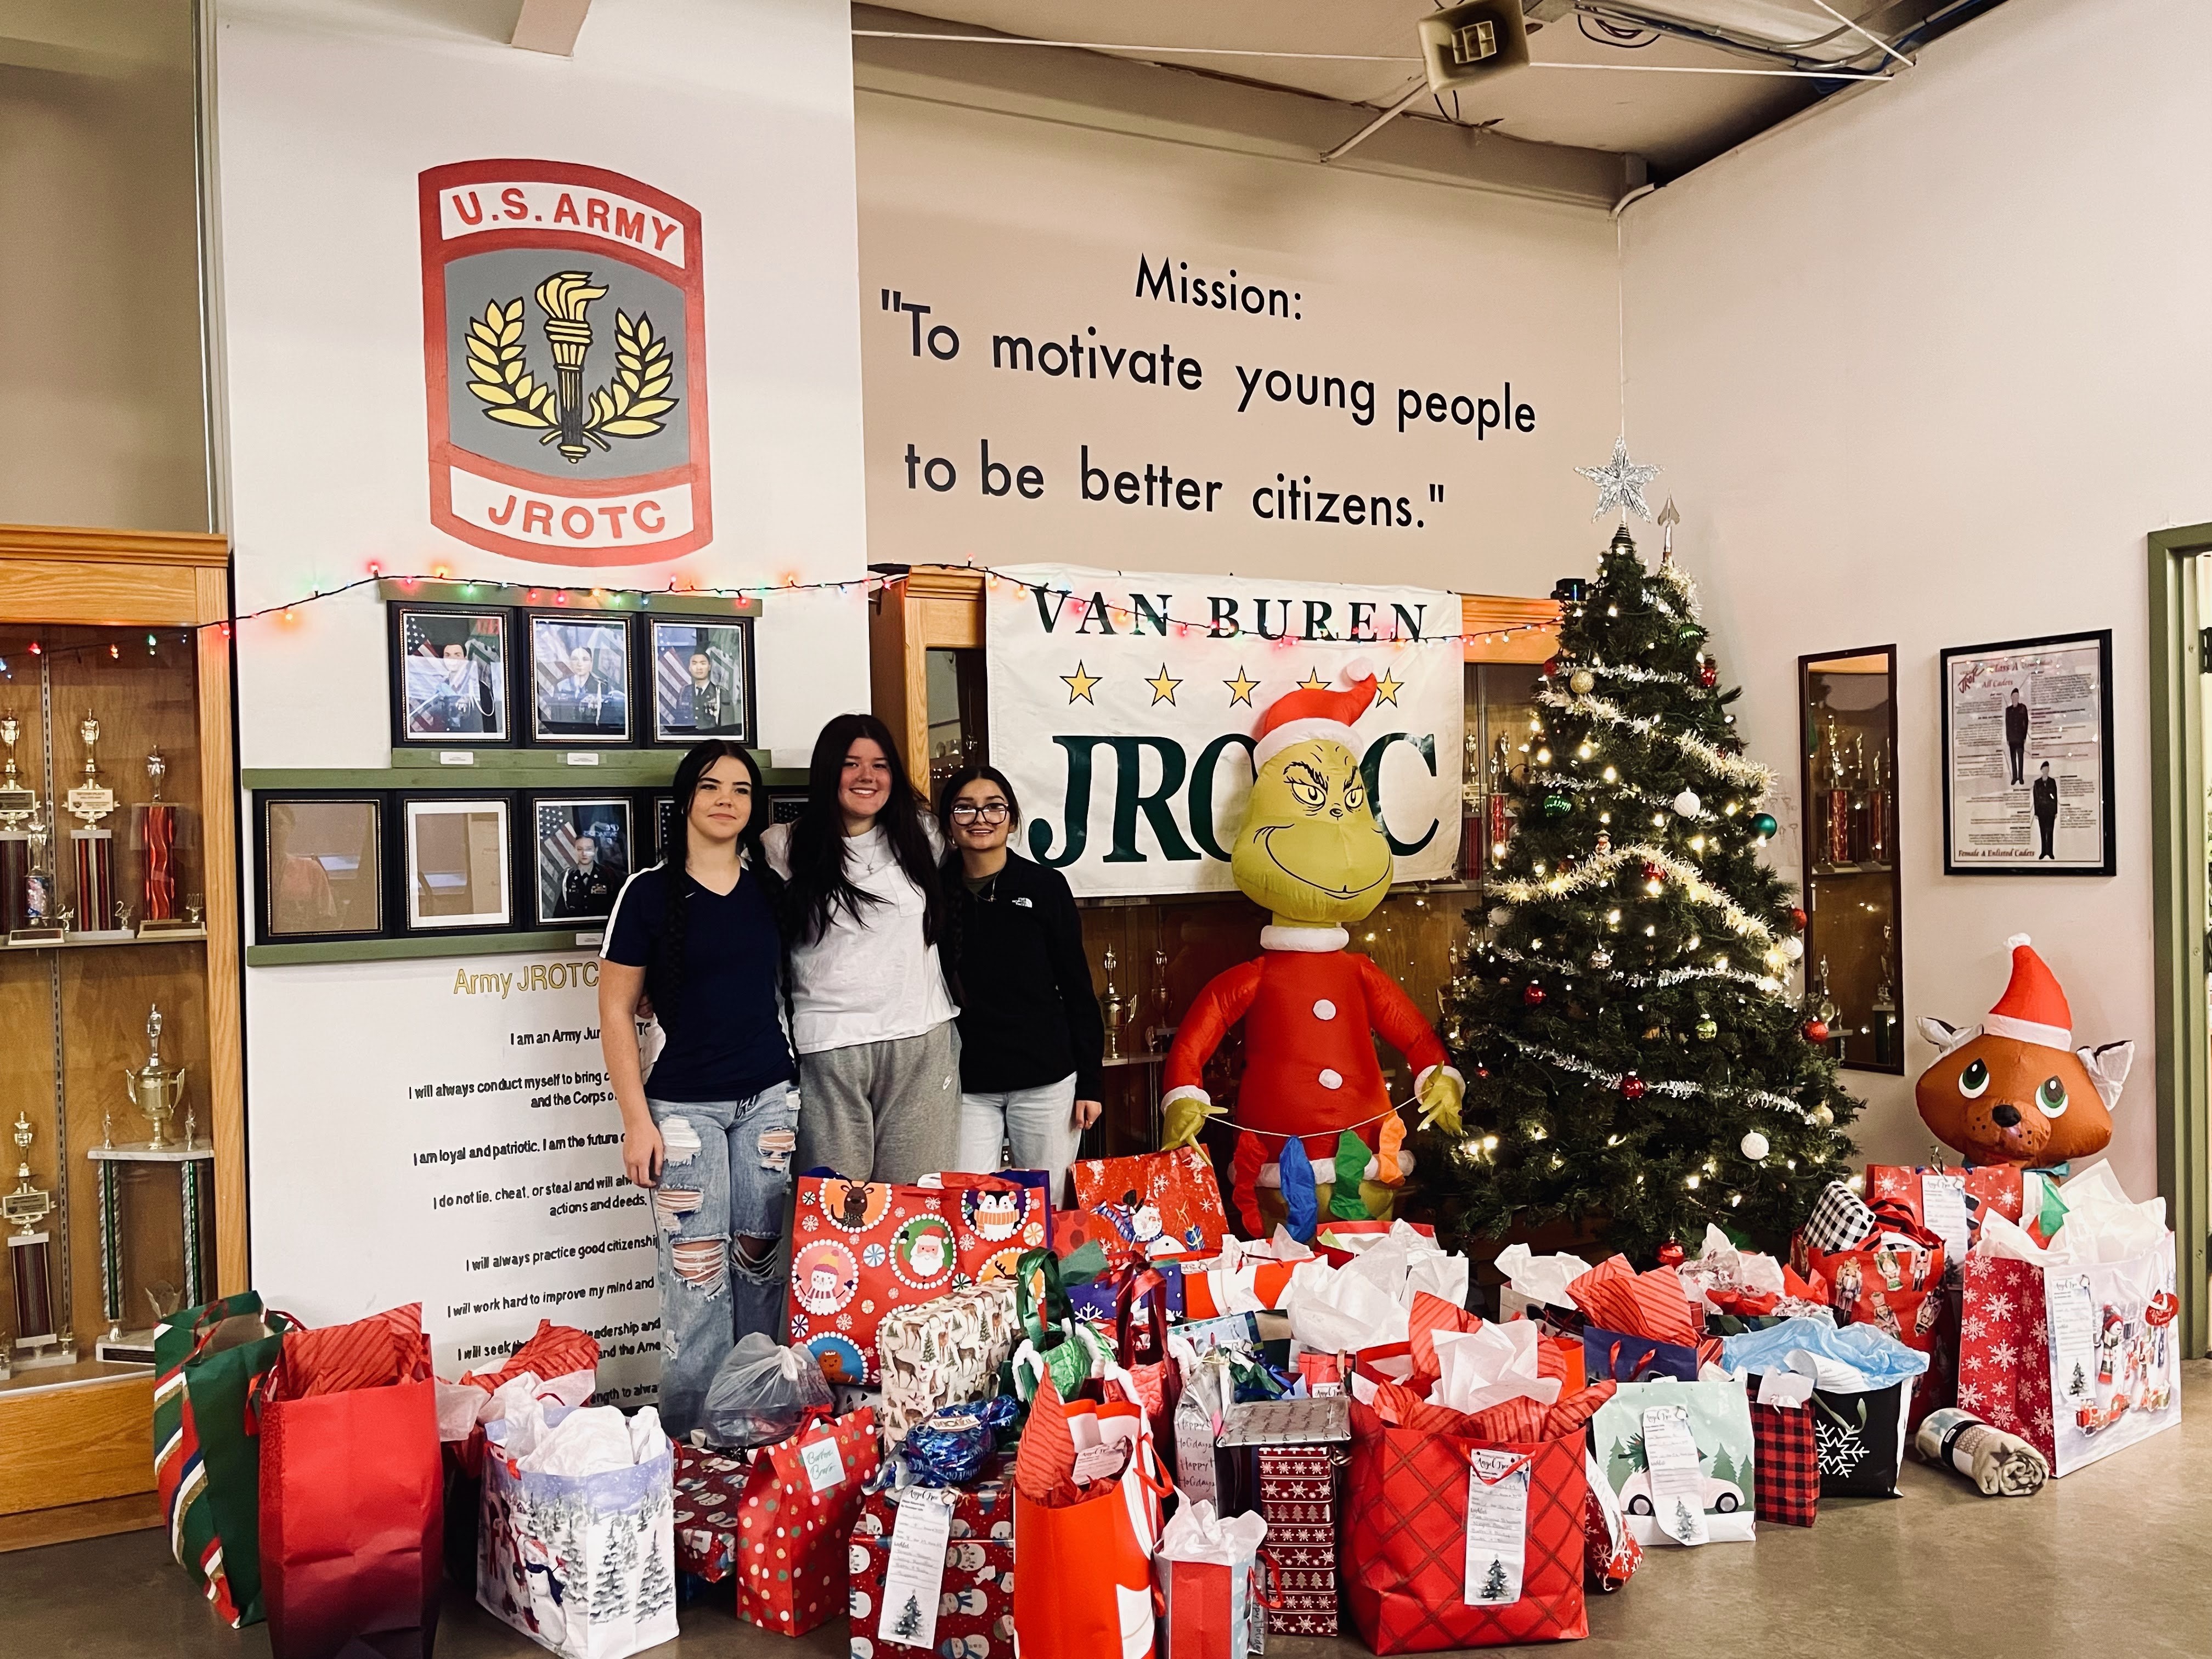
[1582, 681]
[1823, 1116]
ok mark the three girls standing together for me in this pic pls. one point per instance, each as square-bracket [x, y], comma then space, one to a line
[931, 983]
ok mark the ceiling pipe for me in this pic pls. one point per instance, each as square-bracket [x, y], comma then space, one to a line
[1419, 89]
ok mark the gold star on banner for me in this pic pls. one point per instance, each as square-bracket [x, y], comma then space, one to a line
[1313, 681]
[1079, 684]
[1387, 688]
[1164, 689]
[1240, 689]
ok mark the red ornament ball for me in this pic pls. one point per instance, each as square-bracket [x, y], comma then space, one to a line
[1670, 1254]
[1532, 995]
[1709, 673]
[1816, 1031]
[1797, 918]
[1652, 871]
[1631, 1087]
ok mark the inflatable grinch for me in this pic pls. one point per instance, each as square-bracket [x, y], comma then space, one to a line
[1319, 1125]
[2014, 1090]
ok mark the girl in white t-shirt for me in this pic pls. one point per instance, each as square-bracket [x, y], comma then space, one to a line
[872, 1017]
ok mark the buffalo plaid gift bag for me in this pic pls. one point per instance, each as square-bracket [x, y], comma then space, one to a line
[1787, 1488]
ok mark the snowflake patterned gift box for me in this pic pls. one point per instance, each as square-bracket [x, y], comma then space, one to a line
[1297, 1450]
[976, 1598]
[944, 1353]
[584, 1564]
[861, 1250]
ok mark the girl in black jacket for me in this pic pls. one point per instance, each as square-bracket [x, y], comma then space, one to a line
[1030, 1037]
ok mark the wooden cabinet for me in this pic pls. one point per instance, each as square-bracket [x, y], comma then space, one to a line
[116, 635]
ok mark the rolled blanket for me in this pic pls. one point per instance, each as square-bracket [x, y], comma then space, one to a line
[2003, 1465]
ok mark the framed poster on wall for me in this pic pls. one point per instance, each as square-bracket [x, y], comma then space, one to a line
[2028, 758]
[452, 675]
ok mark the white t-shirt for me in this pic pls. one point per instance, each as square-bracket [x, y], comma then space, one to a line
[869, 978]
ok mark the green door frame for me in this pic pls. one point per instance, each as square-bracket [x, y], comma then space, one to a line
[2178, 776]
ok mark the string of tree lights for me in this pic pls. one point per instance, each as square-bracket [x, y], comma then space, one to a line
[1636, 1064]
[1079, 605]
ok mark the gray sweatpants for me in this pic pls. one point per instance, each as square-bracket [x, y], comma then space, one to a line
[881, 1111]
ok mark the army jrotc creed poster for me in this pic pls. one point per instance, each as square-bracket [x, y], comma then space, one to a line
[1121, 708]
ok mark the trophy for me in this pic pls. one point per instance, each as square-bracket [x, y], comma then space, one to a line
[89, 802]
[156, 823]
[1836, 806]
[18, 806]
[46, 919]
[1117, 1009]
[155, 1090]
[1885, 1007]
[36, 1340]
[1161, 1033]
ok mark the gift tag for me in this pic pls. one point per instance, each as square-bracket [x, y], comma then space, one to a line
[914, 1570]
[823, 1463]
[1785, 1388]
[1677, 1485]
[2073, 1334]
[1103, 1461]
[1497, 1526]
[1944, 1205]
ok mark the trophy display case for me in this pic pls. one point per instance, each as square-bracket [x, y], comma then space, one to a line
[1853, 962]
[120, 1103]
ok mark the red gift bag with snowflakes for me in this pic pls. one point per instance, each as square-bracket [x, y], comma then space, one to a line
[801, 1497]
[1165, 1203]
[861, 1248]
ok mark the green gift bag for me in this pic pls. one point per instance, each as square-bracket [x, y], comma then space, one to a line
[207, 1464]
[1720, 1424]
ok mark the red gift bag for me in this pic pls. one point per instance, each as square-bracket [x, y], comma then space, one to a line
[861, 1248]
[1902, 1288]
[1142, 1350]
[801, 1497]
[352, 1490]
[1406, 1542]
[1164, 1203]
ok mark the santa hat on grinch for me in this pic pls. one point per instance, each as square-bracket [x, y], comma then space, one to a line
[1314, 712]
[2033, 1008]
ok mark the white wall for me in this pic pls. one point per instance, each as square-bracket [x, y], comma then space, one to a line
[1925, 365]
[1006, 224]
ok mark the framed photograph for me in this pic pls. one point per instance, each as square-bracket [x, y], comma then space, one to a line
[702, 674]
[451, 676]
[581, 856]
[662, 806]
[322, 866]
[784, 805]
[2028, 758]
[580, 690]
[459, 871]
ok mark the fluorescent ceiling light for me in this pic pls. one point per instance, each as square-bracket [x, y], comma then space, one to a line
[1797, 26]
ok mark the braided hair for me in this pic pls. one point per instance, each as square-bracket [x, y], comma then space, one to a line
[819, 886]
[664, 975]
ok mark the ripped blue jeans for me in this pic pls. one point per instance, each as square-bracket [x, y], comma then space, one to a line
[725, 1176]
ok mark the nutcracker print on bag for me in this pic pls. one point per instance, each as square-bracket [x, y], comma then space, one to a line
[1312, 852]
[2014, 1090]
[2131, 1365]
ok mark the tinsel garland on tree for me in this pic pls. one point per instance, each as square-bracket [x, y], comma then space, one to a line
[1635, 1058]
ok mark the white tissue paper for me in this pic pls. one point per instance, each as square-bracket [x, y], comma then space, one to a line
[1542, 1279]
[588, 1441]
[463, 1406]
[1197, 1533]
[1479, 1369]
[2102, 1224]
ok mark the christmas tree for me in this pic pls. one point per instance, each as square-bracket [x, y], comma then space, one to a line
[910, 1618]
[1635, 1062]
[1686, 1524]
[655, 1591]
[1494, 1587]
[608, 1600]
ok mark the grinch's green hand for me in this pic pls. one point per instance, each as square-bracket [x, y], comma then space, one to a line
[1185, 1116]
[1440, 1096]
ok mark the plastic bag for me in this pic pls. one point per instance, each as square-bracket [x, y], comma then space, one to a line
[761, 1394]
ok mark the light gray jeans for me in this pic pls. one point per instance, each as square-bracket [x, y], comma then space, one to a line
[883, 1111]
[725, 1175]
[1038, 1123]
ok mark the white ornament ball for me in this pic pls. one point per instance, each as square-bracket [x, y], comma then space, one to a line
[1688, 803]
[1582, 681]
[1793, 947]
[1499, 916]
[1755, 1146]
[1823, 1116]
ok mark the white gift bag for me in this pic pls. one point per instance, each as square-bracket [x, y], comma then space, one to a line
[583, 1563]
[2115, 1358]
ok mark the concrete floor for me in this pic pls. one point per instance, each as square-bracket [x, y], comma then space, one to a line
[2108, 1561]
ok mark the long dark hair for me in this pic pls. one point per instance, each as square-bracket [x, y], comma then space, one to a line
[950, 789]
[819, 886]
[664, 975]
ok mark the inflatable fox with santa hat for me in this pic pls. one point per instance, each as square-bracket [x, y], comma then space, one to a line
[1312, 852]
[2014, 1090]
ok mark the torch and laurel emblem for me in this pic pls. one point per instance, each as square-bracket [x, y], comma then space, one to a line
[632, 404]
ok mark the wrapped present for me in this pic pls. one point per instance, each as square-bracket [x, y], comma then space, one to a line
[1100, 1298]
[944, 1353]
[972, 1613]
[1291, 1453]
[1164, 1204]
[861, 1250]
[800, 1498]
[710, 1489]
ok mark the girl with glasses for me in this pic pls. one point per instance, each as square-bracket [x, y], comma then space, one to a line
[1030, 1038]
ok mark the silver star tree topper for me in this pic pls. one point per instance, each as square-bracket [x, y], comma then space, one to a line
[1620, 484]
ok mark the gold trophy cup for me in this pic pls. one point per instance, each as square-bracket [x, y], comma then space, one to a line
[155, 1090]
